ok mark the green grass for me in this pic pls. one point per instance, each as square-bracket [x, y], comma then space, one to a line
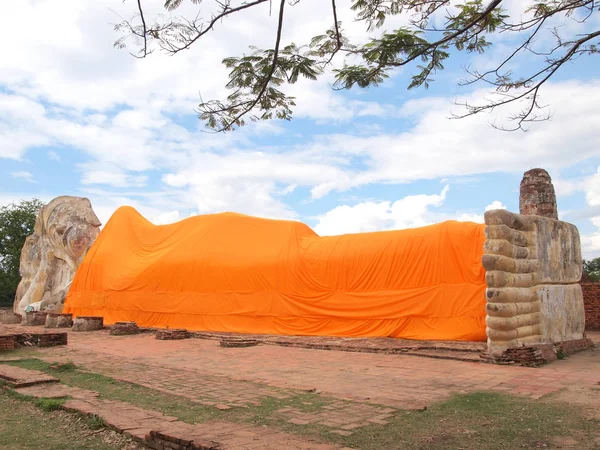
[25, 427]
[481, 420]
[46, 404]
[49, 404]
[95, 422]
[64, 367]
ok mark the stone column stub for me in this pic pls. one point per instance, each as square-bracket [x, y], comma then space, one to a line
[537, 196]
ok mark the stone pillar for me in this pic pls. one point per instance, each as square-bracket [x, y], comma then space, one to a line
[537, 197]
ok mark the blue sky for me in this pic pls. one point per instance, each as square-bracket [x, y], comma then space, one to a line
[78, 117]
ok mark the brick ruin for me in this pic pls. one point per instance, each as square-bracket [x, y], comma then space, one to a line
[124, 328]
[536, 195]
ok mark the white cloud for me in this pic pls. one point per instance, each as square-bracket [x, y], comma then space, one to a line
[110, 176]
[496, 204]
[24, 175]
[438, 147]
[73, 89]
[166, 218]
[53, 156]
[590, 243]
[408, 212]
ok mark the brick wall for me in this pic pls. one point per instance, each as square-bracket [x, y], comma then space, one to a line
[591, 301]
[7, 342]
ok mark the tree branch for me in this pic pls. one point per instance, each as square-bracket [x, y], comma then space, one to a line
[531, 93]
[226, 11]
[269, 76]
[144, 31]
[337, 29]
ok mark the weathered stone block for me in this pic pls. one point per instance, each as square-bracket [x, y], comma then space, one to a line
[562, 315]
[34, 318]
[9, 317]
[88, 323]
[124, 328]
[54, 320]
[172, 334]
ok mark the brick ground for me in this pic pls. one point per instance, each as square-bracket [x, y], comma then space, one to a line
[18, 377]
[205, 372]
[138, 423]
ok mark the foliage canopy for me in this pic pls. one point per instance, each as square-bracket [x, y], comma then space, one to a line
[436, 30]
[16, 223]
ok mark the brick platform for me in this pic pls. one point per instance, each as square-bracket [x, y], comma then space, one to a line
[124, 328]
[88, 323]
[49, 339]
[591, 303]
[18, 377]
[238, 342]
[34, 318]
[7, 316]
[172, 334]
[54, 320]
[537, 355]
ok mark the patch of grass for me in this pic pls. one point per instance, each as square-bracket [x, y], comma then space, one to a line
[481, 420]
[46, 404]
[25, 427]
[64, 367]
[49, 404]
[95, 422]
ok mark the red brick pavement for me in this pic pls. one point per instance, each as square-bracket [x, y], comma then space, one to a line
[400, 381]
[138, 423]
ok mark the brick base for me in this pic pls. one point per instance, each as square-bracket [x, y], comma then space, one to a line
[124, 328]
[238, 342]
[54, 320]
[162, 441]
[172, 334]
[539, 354]
[88, 323]
[34, 318]
[41, 339]
[7, 342]
[9, 317]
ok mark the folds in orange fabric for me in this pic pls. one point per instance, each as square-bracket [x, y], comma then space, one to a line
[235, 273]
